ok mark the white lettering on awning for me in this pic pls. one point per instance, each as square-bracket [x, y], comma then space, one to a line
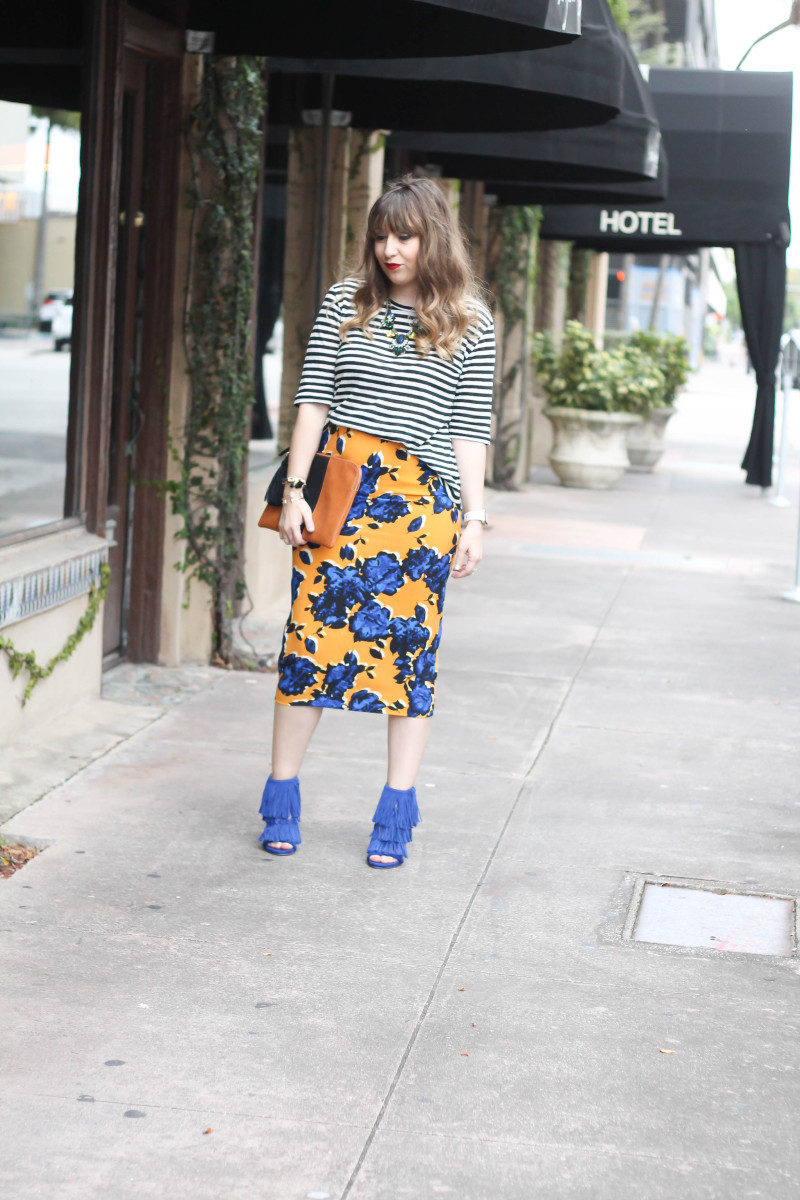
[662, 224]
[609, 220]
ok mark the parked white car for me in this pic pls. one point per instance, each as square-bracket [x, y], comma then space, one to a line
[62, 323]
[49, 306]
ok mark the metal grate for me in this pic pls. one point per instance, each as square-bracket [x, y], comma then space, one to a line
[715, 918]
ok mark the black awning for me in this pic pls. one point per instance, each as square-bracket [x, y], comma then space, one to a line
[577, 84]
[727, 136]
[556, 191]
[625, 148]
[41, 51]
[45, 25]
[44, 79]
[364, 29]
[728, 139]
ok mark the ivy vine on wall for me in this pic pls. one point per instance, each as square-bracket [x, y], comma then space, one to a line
[224, 135]
[25, 660]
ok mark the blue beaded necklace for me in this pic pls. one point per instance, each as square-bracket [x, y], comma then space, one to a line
[401, 340]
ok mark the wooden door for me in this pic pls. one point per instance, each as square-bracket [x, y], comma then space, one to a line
[127, 415]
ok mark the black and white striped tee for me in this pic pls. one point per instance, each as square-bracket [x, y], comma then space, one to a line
[421, 402]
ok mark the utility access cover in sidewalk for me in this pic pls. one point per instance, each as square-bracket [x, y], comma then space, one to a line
[715, 918]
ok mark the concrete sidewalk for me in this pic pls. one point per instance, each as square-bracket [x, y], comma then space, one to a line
[185, 1016]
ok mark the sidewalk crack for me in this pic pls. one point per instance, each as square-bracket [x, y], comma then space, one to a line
[468, 907]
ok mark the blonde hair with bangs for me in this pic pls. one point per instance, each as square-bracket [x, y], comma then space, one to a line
[447, 288]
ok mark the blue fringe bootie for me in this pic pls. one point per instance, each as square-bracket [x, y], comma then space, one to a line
[397, 813]
[280, 808]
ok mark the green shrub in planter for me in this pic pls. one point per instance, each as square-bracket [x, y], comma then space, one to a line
[640, 381]
[577, 375]
[594, 398]
[671, 354]
[625, 379]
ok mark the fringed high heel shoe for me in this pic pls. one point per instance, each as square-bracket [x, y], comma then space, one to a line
[280, 808]
[397, 813]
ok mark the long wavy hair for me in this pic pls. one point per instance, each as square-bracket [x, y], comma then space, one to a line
[447, 287]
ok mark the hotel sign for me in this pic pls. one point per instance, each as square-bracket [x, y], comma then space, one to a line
[635, 221]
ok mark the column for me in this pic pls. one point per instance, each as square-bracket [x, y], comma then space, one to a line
[302, 207]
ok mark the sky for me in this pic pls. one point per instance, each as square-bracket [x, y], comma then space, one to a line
[739, 23]
[65, 168]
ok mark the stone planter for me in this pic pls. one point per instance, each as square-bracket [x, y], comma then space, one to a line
[589, 447]
[646, 440]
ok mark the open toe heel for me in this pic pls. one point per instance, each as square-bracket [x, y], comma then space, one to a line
[280, 808]
[397, 813]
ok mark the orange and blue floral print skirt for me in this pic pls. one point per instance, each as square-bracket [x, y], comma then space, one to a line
[365, 623]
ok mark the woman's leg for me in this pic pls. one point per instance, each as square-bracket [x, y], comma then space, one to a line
[292, 729]
[407, 738]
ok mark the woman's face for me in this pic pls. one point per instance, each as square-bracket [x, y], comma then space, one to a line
[397, 256]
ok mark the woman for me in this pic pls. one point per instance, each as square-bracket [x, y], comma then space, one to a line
[398, 378]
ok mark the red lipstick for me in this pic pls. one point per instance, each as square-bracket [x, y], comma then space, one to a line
[393, 266]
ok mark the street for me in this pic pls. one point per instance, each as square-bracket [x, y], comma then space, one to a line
[185, 1016]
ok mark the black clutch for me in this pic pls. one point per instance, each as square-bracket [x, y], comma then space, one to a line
[314, 482]
[330, 490]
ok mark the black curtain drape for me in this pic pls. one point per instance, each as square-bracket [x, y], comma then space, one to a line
[761, 284]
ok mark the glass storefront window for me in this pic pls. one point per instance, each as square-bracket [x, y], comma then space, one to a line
[39, 175]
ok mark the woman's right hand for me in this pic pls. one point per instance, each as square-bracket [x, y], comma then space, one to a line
[295, 515]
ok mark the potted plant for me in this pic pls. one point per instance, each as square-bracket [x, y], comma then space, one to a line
[669, 352]
[593, 398]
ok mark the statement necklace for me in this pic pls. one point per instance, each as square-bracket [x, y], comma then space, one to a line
[401, 340]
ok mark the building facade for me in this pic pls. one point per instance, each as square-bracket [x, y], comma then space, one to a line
[86, 434]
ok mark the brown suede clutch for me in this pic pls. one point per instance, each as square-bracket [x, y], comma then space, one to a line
[330, 491]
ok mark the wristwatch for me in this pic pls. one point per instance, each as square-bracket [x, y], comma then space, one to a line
[475, 514]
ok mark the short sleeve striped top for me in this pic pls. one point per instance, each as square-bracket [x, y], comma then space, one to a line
[421, 402]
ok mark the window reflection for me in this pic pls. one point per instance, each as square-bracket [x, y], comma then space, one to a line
[39, 175]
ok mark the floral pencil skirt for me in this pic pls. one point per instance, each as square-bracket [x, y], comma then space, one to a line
[365, 623]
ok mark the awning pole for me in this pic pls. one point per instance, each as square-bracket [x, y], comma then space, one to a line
[794, 593]
[779, 500]
[790, 363]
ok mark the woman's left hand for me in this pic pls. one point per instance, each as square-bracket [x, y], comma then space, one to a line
[469, 551]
